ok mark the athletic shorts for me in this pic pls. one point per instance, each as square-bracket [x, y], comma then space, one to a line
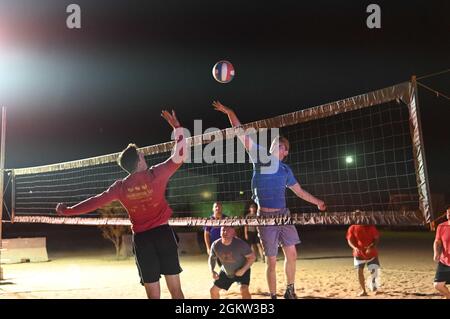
[253, 238]
[360, 263]
[442, 273]
[225, 282]
[274, 236]
[156, 253]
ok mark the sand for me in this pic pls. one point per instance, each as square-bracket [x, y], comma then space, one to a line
[324, 270]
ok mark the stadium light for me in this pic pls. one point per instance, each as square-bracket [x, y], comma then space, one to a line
[349, 159]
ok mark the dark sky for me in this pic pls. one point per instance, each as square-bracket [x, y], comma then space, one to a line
[73, 94]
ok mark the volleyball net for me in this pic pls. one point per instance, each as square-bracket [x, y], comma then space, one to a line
[362, 155]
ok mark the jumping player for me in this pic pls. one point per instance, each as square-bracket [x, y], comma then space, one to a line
[142, 193]
[269, 193]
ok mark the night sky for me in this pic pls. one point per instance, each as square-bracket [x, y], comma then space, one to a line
[72, 94]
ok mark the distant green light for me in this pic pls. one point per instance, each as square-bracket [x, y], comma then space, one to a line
[241, 193]
[349, 159]
[206, 195]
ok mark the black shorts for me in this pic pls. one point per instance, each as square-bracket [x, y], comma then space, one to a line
[253, 238]
[156, 253]
[224, 282]
[442, 273]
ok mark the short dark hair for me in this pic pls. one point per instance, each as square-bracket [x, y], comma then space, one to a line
[129, 158]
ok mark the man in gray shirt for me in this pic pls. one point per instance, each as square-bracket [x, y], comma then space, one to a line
[236, 257]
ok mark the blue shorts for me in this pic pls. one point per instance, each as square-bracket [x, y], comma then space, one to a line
[274, 236]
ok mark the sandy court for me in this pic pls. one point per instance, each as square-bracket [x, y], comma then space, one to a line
[324, 270]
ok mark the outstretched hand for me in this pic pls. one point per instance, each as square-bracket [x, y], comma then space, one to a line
[171, 118]
[321, 206]
[221, 108]
[61, 208]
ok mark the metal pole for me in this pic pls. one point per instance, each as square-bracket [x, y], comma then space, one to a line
[420, 160]
[13, 195]
[2, 171]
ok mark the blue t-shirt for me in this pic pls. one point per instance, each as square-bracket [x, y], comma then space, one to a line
[214, 232]
[270, 179]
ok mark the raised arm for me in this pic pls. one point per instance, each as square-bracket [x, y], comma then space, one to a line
[300, 192]
[179, 152]
[91, 204]
[234, 121]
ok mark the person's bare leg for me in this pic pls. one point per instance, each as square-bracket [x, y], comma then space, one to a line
[174, 286]
[215, 292]
[374, 273]
[245, 292]
[271, 275]
[153, 290]
[362, 282]
[254, 251]
[442, 288]
[261, 252]
[290, 263]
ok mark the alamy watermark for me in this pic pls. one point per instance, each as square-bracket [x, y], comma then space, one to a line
[373, 21]
[215, 146]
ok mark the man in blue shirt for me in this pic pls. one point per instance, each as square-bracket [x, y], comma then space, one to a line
[211, 233]
[269, 181]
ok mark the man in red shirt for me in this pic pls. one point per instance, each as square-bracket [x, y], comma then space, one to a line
[363, 239]
[142, 193]
[441, 249]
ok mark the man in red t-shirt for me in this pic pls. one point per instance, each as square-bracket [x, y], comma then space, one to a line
[142, 193]
[363, 239]
[441, 249]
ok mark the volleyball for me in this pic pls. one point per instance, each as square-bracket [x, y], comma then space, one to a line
[223, 71]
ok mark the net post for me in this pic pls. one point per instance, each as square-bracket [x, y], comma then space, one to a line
[419, 153]
[2, 171]
[13, 195]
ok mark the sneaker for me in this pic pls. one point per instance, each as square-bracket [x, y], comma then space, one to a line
[290, 294]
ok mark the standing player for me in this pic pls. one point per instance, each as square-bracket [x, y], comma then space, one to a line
[441, 249]
[269, 192]
[212, 233]
[142, 193]
[251, 234]
[363, 239]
